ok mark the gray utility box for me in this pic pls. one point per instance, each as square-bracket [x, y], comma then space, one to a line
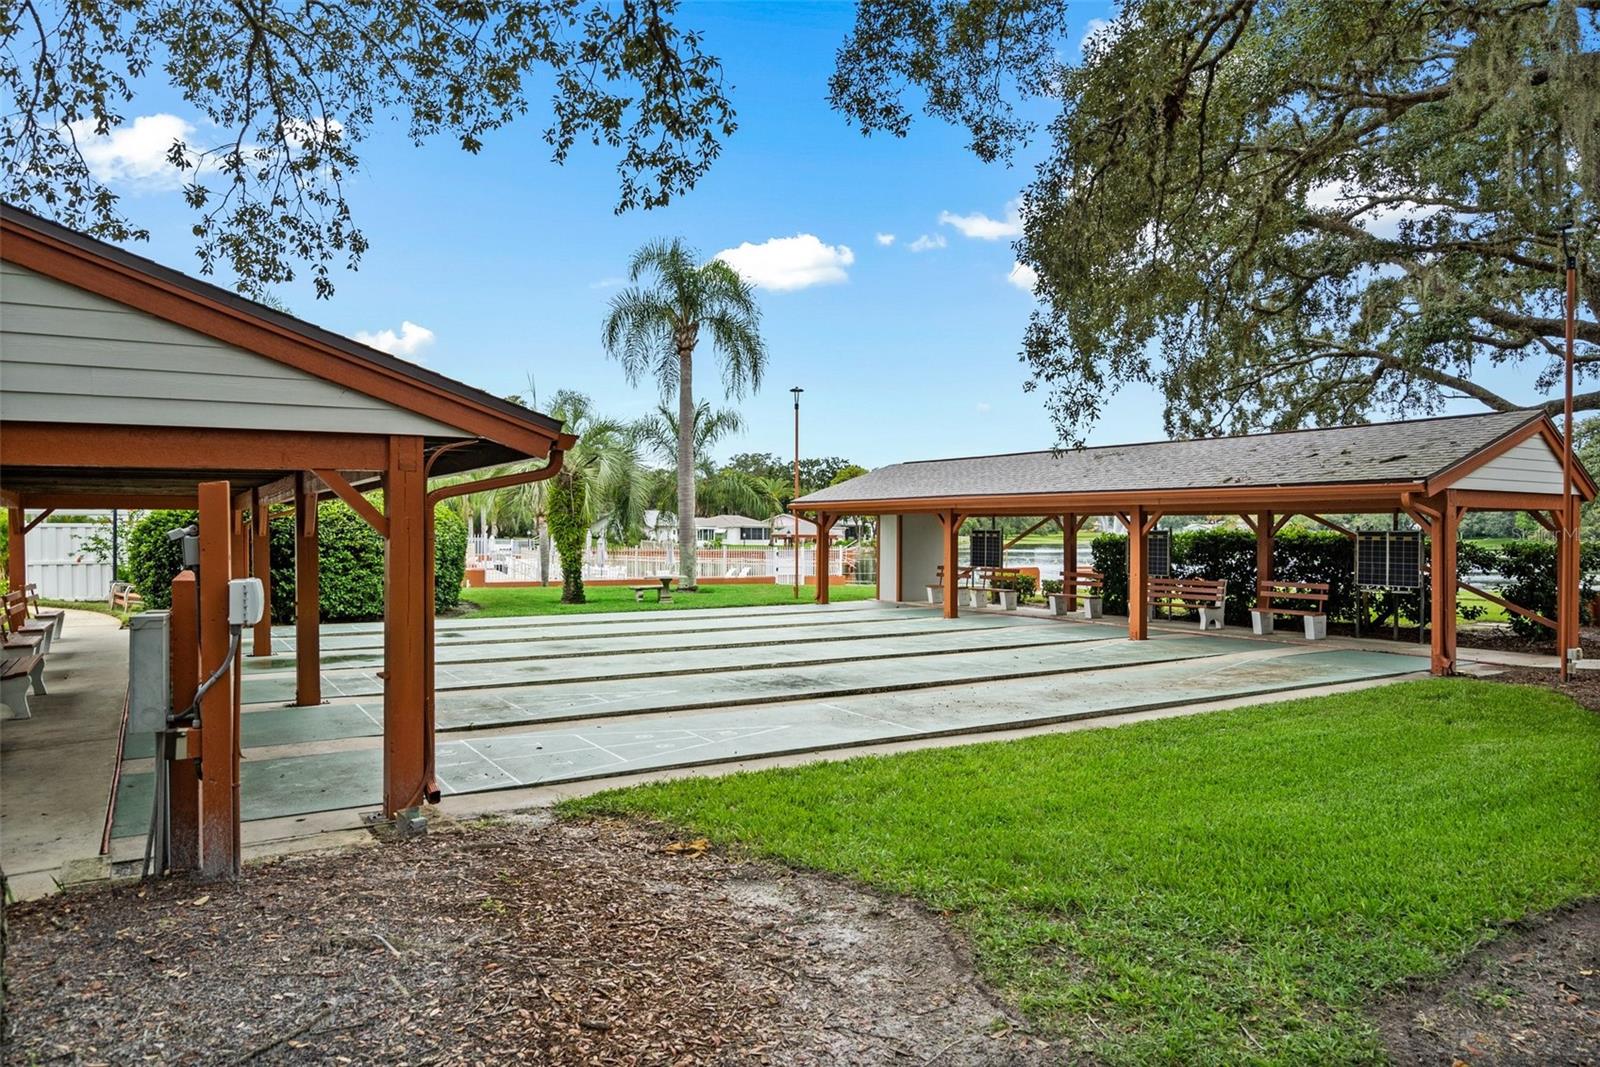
[149, 671]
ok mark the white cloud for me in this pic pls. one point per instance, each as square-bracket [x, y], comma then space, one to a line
[135, 154]
[981, 227]
[984, 407]
[409, 342]
[1093, 31]
[885, 239]
[785, 263]
[1382, 220]
[927, 243]
[608, 283]
[1024, 277]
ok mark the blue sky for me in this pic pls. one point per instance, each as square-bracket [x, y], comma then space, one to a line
[508, 261]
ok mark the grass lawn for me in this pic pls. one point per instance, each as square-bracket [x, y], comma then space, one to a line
[1230, 887]
[490, 602]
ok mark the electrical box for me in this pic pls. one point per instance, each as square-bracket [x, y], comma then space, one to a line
[246, 601]
[149, 671]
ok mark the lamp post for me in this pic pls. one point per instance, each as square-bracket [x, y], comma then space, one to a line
[1569, 515]
[794, 516]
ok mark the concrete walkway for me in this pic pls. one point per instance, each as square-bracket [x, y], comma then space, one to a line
[56, 768]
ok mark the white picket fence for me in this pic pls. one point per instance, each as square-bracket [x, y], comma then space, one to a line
[59, 565]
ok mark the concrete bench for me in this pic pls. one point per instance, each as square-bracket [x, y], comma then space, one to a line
[1188, 594]
[663, 591]
[1313, 596]
[123, 597]
[1086, 587]
[55, 616]
[20, 625]
[21, 669]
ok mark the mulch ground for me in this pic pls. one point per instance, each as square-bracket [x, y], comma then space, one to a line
[558, 943]
[1531, 997]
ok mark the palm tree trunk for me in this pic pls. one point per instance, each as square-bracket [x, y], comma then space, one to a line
[686, 510]
[544, 552]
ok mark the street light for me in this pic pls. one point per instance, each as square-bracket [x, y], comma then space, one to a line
[794, 516]
[1567, 616]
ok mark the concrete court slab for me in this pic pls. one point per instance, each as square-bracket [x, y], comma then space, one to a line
[658, 641]
[348, 682]
[297, 785]
[606, 624]
[480, 709]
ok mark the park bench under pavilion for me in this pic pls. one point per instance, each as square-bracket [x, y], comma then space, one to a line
[1433, 470]
[130, 385]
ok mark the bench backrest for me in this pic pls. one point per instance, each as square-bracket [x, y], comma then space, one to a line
[1188, 590]
[1317, 591]
[1083, 580]
[16, 608]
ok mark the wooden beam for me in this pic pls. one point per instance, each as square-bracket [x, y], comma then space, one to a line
[1443, 560]
[952, 557]
[17, 553]
[307, 597]
[1335, 527]
[1283, 520]
[825, 523]
[1265, 531]
[261, 567]
[37, 519]
[1031, 529]
[1508, 605]
[357, 503]
[186, 448]
[219, 712]
[183, 635]
[1138, 576]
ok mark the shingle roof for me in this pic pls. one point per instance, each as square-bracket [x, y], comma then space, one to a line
[1378, 452]
[722, 522]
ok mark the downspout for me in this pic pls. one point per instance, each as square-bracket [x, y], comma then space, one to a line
[557, 458]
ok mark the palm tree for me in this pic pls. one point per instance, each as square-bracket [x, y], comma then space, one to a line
[653, 329]
[601, 475]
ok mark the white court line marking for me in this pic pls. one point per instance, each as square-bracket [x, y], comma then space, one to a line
[468, 746]
[602, 748]
[370, 717]
[864, 715]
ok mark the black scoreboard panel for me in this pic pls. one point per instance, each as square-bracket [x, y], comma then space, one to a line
[985, 548]
[1158, 553]
[1389, 559]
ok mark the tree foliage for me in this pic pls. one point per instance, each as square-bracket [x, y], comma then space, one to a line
[1292, 212]
[291, 90]
[599, 481]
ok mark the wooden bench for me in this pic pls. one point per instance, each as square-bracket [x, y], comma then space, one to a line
[1087, 586]
[20, 625]
[1189, 594]
[123, 597]
[936, 587]
[1003, 582]
[662, 587]
[1312, 596]
[55, 616]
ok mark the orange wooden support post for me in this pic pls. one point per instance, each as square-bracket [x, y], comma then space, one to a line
[1138, 576]
[17, 561]
[952, 557]
[1568, 578]
[1264, 557]
[184, 665]
[405, 736]
[1069, 560]
[261, 567]
[824, 547]
[307, 596]
[1443, 565]
[219, 711]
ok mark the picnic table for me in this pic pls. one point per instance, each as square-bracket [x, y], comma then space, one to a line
[663, 590]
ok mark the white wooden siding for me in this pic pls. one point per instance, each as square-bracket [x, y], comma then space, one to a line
[1530, 467]
[67, 355]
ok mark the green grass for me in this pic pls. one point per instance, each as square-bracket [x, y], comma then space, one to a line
[546, 600]
[97, 606]
[1231, 887]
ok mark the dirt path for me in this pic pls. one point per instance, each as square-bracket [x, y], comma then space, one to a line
[556, 943]
[1532, 997]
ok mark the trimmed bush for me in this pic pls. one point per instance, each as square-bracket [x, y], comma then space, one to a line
[350, 560]
[1529, 568]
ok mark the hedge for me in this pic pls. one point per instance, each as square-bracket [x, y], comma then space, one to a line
[1325, 556]
[350, 561]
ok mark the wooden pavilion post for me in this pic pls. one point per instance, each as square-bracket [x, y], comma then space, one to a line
[261, 567]
[184, 665]
[1443, 565]
[824, 547]
[16, 539]
[307, 596]
[1138, 575]
[952, 558]
[405, 735]
[1569, 571]
[1264, 533]
[219, 710]
[1069, 560]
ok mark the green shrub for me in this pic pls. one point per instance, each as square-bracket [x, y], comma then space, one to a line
[1022, 583]
[350, 561]
[1529, 568]
[153, 560]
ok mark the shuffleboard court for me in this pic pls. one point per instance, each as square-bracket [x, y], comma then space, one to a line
[278, 786]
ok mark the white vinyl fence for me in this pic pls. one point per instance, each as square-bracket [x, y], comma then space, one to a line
[517, 560]
[60, 566]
